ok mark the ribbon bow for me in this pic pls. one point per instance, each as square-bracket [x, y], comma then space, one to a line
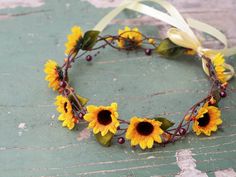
[184, 40]
[182, 35]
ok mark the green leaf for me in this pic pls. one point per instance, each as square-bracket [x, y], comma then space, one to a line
[216, 96]
[165, 122]
[104, 140]
[89, 39]
[169, 49]
[83, 101]
[79, 44]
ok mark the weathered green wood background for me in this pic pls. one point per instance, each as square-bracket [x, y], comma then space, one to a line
[32, 141]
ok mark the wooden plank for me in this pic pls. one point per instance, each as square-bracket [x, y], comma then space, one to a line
[33, 143]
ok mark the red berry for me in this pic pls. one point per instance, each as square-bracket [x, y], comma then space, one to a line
[75, 120]
[89, 58]
[148, 52]
[223, 94]
[212, 101]
[63, 84]
[121, 140]
[66, 92]
[182, 131]
[81, 115]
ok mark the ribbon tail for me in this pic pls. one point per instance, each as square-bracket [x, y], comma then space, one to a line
[215, 33]
[102, 24]
[204, 67]
[169, 8]
[228, 51]
[230, 73]
[175, 14]
[175, 19]
[144, 9]
[207, 29]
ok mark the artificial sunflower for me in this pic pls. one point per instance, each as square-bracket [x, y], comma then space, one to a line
[144, 132]
[207, 120]
[63, 104]
[218, 62]
[69, 120]
[102, 118]
[73, 39]
[129, 38]
[65, 108]
[53, 74]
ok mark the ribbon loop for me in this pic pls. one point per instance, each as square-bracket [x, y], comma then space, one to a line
[230, 73]
[182, 39]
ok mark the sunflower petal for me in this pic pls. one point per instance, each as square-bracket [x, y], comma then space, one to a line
[114, 106]
[150, 143]
[143, 144]
[91, 108]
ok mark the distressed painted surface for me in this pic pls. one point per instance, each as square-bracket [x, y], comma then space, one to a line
[22, 3]
[104, 3]
[187, 164]
[225, 173]
[32, 142]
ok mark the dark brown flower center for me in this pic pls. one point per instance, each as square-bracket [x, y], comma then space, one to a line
[130, 43]
[204, 121]
[59, 72]
[144, 128]
[79, 44]
[104, 117]
[65, 107]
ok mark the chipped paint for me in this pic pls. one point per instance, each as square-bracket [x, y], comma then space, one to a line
[53, 116]
[187, 164]
[22, 127]
[84, 134]
[4, 17]
[104, 3]
[67, 5]
[225, 173]
[151, 157]
[20, 3]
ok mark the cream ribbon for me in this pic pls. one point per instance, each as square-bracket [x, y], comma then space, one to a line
[181, 34]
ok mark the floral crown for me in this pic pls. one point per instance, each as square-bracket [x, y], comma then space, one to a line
[204, 116]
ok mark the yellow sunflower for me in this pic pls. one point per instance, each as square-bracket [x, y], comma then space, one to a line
[207, 120]
[63, 104]
[65, 108]
[144, 132]
[69, 120]
[53, 74]
[102, 118]
[218, 62]
[73, 39]
[129, 38]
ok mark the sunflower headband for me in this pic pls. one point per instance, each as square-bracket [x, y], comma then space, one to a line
[204, 116]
